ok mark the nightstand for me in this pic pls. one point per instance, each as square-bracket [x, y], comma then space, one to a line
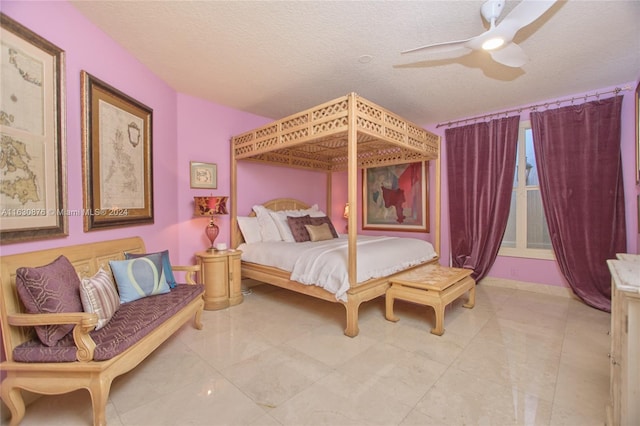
[220, 274]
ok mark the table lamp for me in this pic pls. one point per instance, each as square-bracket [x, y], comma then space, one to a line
[210, 206]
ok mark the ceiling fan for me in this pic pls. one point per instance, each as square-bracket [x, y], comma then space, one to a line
[498, 39]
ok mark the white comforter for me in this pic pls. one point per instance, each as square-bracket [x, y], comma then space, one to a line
[324, 263]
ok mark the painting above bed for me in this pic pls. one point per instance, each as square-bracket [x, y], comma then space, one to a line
[394, 198]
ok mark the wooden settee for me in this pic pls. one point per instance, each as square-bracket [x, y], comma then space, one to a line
[85, 372]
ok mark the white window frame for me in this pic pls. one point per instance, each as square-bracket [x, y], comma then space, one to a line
[521, 190]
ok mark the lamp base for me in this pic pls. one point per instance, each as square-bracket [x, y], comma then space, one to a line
[212, 232]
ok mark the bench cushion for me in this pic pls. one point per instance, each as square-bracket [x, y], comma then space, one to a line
[128, 325]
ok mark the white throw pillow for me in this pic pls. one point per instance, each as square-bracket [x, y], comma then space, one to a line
[250, 229]
[268, 229]
[99, 296]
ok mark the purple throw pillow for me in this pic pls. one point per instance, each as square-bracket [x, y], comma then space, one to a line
[51, 288]
[298, 229]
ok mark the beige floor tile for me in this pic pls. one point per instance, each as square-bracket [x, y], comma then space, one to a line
[341, 400]
[275, 375]
[534, 373]
[211, 401]
[459, 398]
[407, 376]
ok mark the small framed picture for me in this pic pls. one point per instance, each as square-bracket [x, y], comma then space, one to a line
[204, 175]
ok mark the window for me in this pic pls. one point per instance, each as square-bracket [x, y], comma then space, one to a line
[527, 234]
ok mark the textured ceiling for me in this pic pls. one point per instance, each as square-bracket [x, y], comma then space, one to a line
[274, 58]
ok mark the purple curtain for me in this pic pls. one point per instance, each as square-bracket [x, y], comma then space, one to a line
[580, 170]
[481, 161]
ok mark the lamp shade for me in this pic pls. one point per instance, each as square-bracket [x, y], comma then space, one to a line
[209, 206]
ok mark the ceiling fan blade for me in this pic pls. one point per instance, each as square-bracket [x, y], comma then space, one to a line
[511, 55]
[439, 47]
[525, 13]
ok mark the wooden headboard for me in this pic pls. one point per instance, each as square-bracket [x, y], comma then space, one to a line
[277, 204]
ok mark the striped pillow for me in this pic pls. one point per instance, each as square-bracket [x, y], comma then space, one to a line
[99, 296]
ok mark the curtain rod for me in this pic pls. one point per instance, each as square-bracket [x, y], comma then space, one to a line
[534, 107]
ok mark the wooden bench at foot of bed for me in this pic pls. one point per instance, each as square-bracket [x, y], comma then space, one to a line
[432, 285]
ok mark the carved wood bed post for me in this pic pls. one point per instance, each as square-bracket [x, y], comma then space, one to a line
[352, 197]
[234, 198]
[436, 242]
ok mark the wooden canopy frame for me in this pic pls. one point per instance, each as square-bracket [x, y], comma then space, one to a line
[347, 133]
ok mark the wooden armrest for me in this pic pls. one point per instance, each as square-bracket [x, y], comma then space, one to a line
[29, 320]
[84, 324]
[190, 272]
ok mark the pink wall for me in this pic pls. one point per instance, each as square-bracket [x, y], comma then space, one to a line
[204, 132]
[99, 55]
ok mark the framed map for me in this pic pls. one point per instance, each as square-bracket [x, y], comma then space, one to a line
[394, 198]
[117, 169]
[33, 186]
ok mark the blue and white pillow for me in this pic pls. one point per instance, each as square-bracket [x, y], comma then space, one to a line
[140, 277]
[166, 265]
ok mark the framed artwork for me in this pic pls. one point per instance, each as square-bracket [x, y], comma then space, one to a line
[395, 198]
[117, 170]
[204, 175]
[33, 190]
[638, 134]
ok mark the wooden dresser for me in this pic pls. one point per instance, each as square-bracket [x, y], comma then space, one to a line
[624, 408]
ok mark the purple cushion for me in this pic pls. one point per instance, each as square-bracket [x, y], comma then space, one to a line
[51, 288]
[315, 221]
[129, 324]
[298, 229]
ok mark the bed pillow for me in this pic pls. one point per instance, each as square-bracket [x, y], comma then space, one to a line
[140, 277]
[51, 288]
[298, 229]
[325, 219]
[268, 229]
[319, 232]
[280, 219]
[99, 296]
[166, 265]
[250, 229]
[314, 211]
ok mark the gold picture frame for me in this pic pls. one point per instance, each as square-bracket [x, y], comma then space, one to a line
[395, 198]
[203, 175]
[117, 171]
[33, 188]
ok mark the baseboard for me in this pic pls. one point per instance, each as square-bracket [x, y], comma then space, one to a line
[526, 286]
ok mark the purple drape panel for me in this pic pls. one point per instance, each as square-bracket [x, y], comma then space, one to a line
[481, 162]
[580, 170]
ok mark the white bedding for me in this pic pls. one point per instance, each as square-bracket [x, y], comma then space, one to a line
[324, 263]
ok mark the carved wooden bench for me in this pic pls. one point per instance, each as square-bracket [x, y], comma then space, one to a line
[85, 357]
[432, 285]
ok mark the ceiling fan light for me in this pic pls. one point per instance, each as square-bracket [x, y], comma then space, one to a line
[493, 43]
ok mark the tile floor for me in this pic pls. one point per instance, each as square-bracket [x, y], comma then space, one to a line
[280, 358]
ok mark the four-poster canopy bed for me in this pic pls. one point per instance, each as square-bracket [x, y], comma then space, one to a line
[345, 134]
